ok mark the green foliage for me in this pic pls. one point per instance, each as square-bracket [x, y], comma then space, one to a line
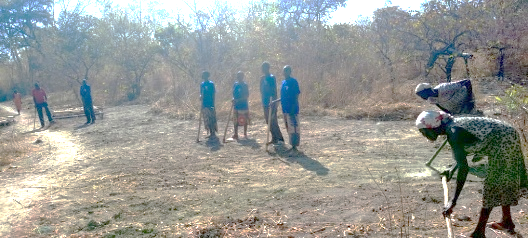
[18, 22]
[515, 98]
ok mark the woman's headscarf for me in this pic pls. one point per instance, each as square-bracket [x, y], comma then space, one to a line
[431, 119]
[422, 86]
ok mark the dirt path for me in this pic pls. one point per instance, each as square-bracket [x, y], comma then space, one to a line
[135, 174]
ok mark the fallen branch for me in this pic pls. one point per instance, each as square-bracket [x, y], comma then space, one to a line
[19, 203]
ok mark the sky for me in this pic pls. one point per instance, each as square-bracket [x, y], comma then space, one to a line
[364, 8]
[354, 9]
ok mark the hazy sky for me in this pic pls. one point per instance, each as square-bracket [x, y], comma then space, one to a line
[353, 10]
[365, 8]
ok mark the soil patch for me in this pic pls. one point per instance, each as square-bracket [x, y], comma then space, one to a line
[139, 174]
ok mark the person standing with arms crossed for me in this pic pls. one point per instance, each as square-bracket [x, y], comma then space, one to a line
[207, 96]
[86, 95]
[268, 89]
[41, 101]
[240, 104]
[290, 107]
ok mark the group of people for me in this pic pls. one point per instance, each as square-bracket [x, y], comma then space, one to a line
[468, 133]
[40, 99]
[289, 93]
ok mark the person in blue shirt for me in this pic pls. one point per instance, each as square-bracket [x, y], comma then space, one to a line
[268, 89]
[207, 96]
[86, 95]
[290, 106]
[240, 104]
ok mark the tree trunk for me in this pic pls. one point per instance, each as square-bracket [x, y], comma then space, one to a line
[449, 67]
[500, 74]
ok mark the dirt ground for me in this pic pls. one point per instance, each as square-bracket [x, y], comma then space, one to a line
[137, 174]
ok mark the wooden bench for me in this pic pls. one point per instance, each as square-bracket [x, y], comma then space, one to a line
[76, 112]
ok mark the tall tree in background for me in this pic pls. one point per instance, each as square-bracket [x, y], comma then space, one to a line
[442, 31]
[81, 44]
[388, 40]
[78, 49]
[304, 13]
[505, 33]
[19, 22]
[133, 49]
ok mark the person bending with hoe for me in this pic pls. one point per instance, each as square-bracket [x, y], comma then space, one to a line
[506, 175]
[86, 95]
[268, 89]
[240, 104]
[41, 101]
[207, 96]
[290, 107]
[454, 98]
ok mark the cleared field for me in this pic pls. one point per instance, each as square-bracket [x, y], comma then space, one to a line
[135, 174]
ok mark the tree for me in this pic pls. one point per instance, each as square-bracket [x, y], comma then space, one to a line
[81, 46]
[388, 41]
[77, 49]
[442, 31]
[504, 35]
[133, 48]
[309, 12]
[19, 22]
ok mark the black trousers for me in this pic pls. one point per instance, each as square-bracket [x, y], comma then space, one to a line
[39, 107]
[89, 112]
[276, 134]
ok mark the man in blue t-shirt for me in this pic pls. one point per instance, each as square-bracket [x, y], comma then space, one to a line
[86, 95]
[268, 89]
[207, 96]
[290, 106]
[240, 104]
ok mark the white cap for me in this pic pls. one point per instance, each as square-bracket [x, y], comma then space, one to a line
[431, 119]
[422, 86]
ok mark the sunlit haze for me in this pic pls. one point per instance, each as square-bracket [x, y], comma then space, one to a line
[353, 11]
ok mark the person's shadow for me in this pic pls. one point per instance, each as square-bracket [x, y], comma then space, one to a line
[213, 142]
[300, 158]
[82, 126]
[35, 130]
[249, 142]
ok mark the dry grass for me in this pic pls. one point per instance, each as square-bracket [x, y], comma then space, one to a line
[258, 225]
[10, 148]
[384, 111]
[374, 105]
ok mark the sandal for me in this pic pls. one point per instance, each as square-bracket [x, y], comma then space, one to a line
[500, 227]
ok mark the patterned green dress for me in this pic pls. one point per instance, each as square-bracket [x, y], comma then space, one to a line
[506, 175]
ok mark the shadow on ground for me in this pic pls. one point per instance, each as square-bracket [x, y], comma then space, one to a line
[250, 143]
[300, 158]
[82, 126]
[213, 143]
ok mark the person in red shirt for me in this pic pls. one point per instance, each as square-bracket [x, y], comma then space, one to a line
[41, 101]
